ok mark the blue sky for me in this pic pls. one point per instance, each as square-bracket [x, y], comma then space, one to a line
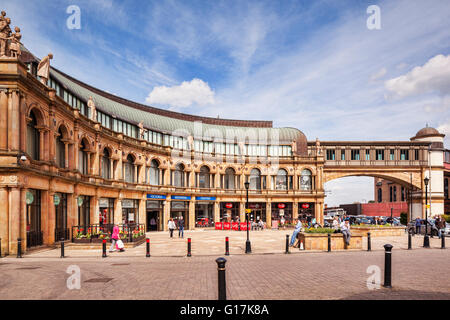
[313, 65]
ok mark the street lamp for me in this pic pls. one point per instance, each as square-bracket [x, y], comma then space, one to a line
[248, 246]
[426, 240]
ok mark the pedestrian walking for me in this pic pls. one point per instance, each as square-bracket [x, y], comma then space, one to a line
[114, 238]
[440, 225]
[171, 227]
[297, 229]
[418, 224]
[181, 227]
[345, 229]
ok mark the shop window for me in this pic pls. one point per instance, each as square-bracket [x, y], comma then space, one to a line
[229, 179]
[281, 180]
[60, 150]
[178, 176]
[204, 178]
[153, 173]
[306, 180]
[255, 179]
[83, 158]
[129, 169]
[33, 141]
[106, 164]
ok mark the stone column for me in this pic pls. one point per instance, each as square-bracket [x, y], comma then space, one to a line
[166, 214]
[216, 211]
[13, 121]
[242, 215]
[269, 214]
[142, 211]
[45, 211]
[94, 210]
[118, 211]
[294, 210]
[3, 120]
[14, 220]
[72, 212]
[4, 220]
[66, 155]
[192, 214]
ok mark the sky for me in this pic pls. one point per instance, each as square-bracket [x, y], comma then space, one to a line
[312, 65]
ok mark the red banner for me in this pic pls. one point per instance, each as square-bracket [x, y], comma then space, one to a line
[226, 226]
[235, 226]
[218, 225]
[244, 226]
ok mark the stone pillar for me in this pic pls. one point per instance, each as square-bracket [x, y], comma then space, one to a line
[118, 211]
[242, 215]
[3, 120]
[318, 212]
[294, 210]
[45, 209]
[14, 220]
[4, 220]
[72, 212]
[14, 121]
[142, 211]
[192, 214]
[94, 211]
[269, 214]
[216, 211]
[166, 214]
[66, 155]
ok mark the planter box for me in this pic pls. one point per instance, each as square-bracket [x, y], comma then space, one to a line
[378, 231]
[82, 240]
[319, 241]
[140, 238]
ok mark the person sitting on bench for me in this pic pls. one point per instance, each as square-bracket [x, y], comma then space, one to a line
[345, 229]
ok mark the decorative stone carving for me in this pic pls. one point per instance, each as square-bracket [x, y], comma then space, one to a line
[141, 130]
[91, 106]
[9, 42]
[44, 68]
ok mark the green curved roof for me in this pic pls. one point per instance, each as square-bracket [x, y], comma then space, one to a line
[109, 105]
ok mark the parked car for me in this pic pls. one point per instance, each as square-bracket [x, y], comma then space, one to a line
[447, 228]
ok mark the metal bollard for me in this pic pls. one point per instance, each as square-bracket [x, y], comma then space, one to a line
[221, 278]
[62, 247]
[19, 248]
[148, 248]
[189, 247]
[442, 240]
[369, 244]
[329, 242]
[104, 249]
[287, 244]
[409, 241]
[426, 241]
[227, 246]
[387, 266]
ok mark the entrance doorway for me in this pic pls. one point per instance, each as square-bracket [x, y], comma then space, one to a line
[178, 209]
[154, 215]
[258, 212]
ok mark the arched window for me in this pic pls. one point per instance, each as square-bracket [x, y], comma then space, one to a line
[60, 150]
[106, 164]
[255, 179]
[306, 180]
[281, 182]
[33, 141]
[204, 178]
[229, 179]
[154, 173]
[83, 158]
[178, 176]
[129, 169]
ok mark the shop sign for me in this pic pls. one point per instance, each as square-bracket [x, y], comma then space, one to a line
[206, 198]
[103, 203]
[218, 225]
[153, 204]
[181, 198]
[56, 199]
[281, 206]
[248, 210]
[281, 212]
[29, 197]
[229, 205]
[80, 201]
[127, 203]
[156, 196]
[305, 205]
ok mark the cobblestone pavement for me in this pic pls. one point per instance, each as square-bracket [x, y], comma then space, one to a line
[212, 243]
[417, 274]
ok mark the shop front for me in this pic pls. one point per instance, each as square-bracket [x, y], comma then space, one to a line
[179, 207]
[229, 211]
[130, 211]
[282, 213]
[306, 211]
[154, 220]
[258, 211]
[84, 212]
[204, 211]
[34, 232]
[61, 228]
[106, 211]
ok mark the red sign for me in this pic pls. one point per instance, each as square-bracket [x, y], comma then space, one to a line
[305, 205]
[235, 226]
[226, 226]
[244, 226]
[281, 206]
[229, 205]
[218, 225]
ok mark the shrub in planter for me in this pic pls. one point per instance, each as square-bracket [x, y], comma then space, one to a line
[319, 230]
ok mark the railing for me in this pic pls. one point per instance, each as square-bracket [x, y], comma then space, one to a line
[95, 232]
[62, 234]
[34, 238]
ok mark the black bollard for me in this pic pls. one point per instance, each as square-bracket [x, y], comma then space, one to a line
[62, 247]
[104, 249]
[329, 242]
[287, 244]
[409, 241]
[369, 244]
[426, 241]
[227, 246]
[19, 248]
[148, 248]
[189, 247]
[387, 266]
[442, 240]
[221, 278]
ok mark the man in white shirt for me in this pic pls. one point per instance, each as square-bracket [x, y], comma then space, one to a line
[345, 229]
[297, 229]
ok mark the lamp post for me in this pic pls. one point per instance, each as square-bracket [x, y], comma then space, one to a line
[426, 240]
[248, 246]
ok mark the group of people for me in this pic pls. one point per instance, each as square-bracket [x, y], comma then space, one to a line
[439, 225]
[172, 226]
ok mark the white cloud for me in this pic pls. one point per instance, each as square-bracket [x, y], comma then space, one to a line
[188, 93]
[378, 75]
[433, 76]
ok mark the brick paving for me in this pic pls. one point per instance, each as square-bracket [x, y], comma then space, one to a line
[417, 274]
